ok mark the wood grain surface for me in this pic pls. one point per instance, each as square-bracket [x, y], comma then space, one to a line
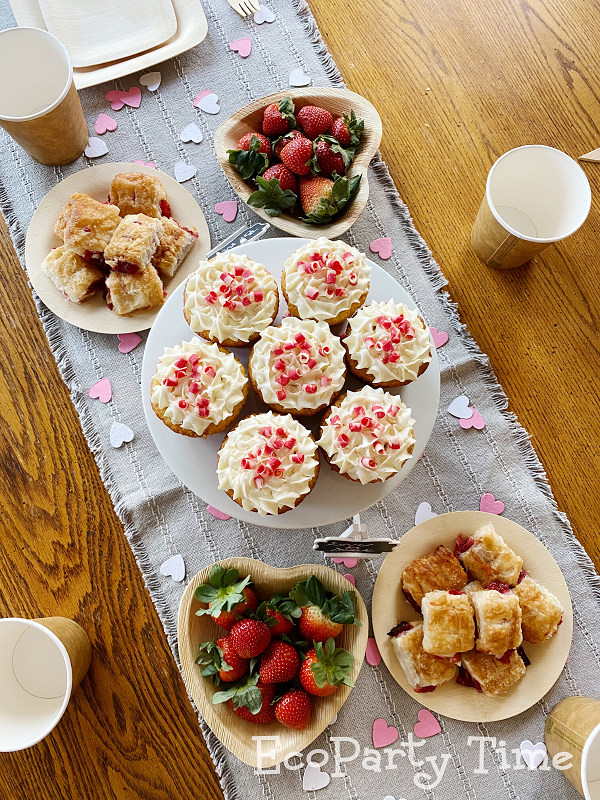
[457, 83]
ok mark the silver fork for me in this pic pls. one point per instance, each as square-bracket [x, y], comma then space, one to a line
[245, 8]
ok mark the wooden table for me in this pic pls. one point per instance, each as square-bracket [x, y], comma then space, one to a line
[457, 83]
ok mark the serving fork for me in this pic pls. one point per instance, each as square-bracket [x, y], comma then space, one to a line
[245, 8]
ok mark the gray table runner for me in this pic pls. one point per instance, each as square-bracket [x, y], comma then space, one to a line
[161, 518]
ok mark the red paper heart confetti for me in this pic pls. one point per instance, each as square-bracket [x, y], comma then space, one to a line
[475, 421]
[350, 563]
[105, 123]
[228, 209]
[216, 513]
[101, 390]
[489, 503]
[383, 247]
[427, 725]
[372, 654]
[118, 99]
[383, 734]
[439, 337]
[241, 46]
[128, 342]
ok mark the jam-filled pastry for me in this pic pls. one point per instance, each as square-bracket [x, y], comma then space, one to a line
[127, 293]
[437, 570]
[487, 557]
[87, 226]
[542, 611]
[489, 675]
[175, 243]
[498, 618]
[72, 275]
[136, 193]
[133, 244]
[423, 671]
[448, 624]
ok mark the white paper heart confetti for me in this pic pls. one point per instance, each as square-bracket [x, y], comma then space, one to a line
[96, 148]
[151, 80]
[314, 779]
[533, 754]
[264, 14]
[424, 512]
[459, 407]
[299, 78]
[120, 433]
[208, 102]
[183, 172]
[174, 567]
[191, 133]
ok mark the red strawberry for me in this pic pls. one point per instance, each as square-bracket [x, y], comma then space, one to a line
[278, 118]
[322, 198]
[314, 121]
[250, 637]
[297, 154]
[293, 710]
[315, 626]
[252, 156]
[287, 179]
[279, 663]
[281, 143]
[348, 130]
[238, 666]
[227, 619]
[283, 626]
[225, 597]
[265, 144]
[326, 668]
[329, 159]
[266, 713]
[323, 613]
[339, 130]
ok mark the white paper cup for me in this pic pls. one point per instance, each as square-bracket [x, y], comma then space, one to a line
[535, 195]
[573, 726]
[41, 662]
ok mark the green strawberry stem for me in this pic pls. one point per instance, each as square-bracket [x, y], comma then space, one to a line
[245, 693]
[339, 609]
[249, 162]
[355, 127]
[271, 197]
[343, 192]
[347, 154]
[286, 108]
[333, 665]
[223, 592]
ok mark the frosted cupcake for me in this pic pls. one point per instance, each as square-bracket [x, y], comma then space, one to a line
[368, 435]
[297, 367]
[388, 344]
[230, 300]
[268, 463]
[324, 280]
[198, 388]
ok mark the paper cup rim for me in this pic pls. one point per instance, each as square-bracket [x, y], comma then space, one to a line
[32, 623]
[64, 92]
[512, 230]
[584, 758]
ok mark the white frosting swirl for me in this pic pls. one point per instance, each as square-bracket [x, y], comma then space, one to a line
[198, 385]
[231, 297]
[324, 287]
[368, 436]
[389, 341]
[298, 365]
[268, 461]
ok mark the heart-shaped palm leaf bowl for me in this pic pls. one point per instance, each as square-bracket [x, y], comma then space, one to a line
[232, 731]
[336, 101]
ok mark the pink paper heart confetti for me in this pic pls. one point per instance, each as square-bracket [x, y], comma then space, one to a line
[150, 164]
[383, 734]
[476, 421]
[241, 46]
[101, 390]
[372, 654]
[228, 209]
[128, 342]
[105, 123]
[383, 247]
[489, 504]
[350, 563]
[350, 577]
[427, 725]
[118, 99]
[439, 337]
[216, 513]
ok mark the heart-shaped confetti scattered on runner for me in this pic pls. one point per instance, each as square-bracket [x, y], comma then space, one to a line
[118, 99]
[350, 577]
[313, 779]
[333, 719]
[183, 172]
[533, 754]
[372, 653]
[459, 407]
[350, 563]
[383, 247]
[128, 342]
[489, 503]
[96, 148]
[298, 77]
[174, 567]
[120, 433]
[151, 80]
[228, 209]
[383, 734]
[150, 164]
[105, 123]
[476, 421]
[427, 725]
[216, 513]
[264, 14]
[191, 133]
[242, 46]
[101, 390]
[439, 337]
[424, 513]
[208, 102]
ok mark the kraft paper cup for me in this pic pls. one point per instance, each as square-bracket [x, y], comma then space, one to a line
[573, 726]
[535, 195]
[41, 662]
[39, 105]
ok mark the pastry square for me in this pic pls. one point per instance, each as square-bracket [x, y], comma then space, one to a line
[174, 246]
[448, 624]
[127, 293]
[493, 676]
[474, 586]
[491, 559]
[542, 611]
[72, 275]
[136, 193]
[423, 671]
[86, 226]
[437, 570]
[498, 618]
[133, 244]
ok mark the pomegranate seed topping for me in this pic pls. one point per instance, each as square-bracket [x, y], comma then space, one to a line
[298, 458]
[342, 440]
[289, 443]
[170, 381]
[281, 394]
[183, 404]
[368, 462]
[310, 388]
[194, 387]
[266, 431]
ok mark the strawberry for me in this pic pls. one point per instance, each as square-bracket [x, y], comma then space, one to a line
[250, 637]
[279, 663]
[221, 662]
[314, 121]
[293, 710]
[252, 155]
[280, 143]
[348, 130]
[329, 157]
[226, 596]
[322, 198]
[246, 142]
[265, 714]
[326, 668]
[323, 613]
[287, 179]
[297, 154]
[276, 190]
[249, 699]
[279, 117]
[279, 614]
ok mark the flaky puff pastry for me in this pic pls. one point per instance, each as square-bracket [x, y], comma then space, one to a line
[86, 226]
[541, 610]
[135, 193]
[174, 246]
[134, 243]
[422, 669]
[498, 618]
[72, 275]
[493, 676]
[448, 624]
[491, 559]
[127, 293]
[437, 570]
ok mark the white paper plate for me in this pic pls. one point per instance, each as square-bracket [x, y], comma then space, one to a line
[334, 497]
